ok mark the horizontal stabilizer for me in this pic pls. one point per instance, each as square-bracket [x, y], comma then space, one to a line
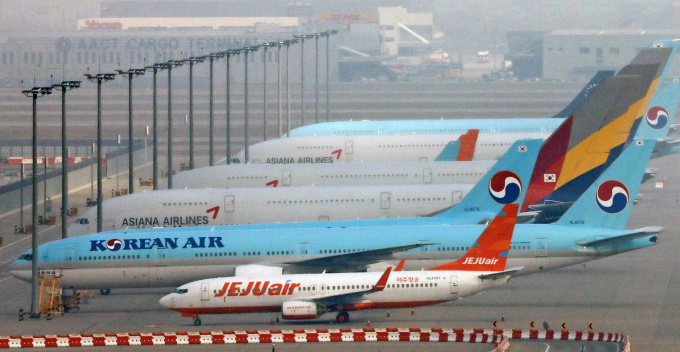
[643, 232]
[496, 275]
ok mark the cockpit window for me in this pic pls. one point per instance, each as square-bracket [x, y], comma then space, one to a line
[26, 257]
[180, 291]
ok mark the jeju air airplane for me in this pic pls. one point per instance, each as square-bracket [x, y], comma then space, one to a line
[310, 296]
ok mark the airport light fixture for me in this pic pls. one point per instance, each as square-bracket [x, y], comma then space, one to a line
[316, 76]
[191, 61]
[278, 45]
[288, 43]
[328, 34]
[229, 54]
[65, 86]
[265, 46]
[133, 72]
[212, 57]
[155, 68]
[245, 51]
[169, 65]
[99, 78]
[34, 93]
[302, 38]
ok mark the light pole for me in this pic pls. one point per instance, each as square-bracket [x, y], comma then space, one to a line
[100, 77]
[265, 46]
[131, 166]
[316, 76]
[169, 65]
[35, 92]
[212, 57]
[287, 43]
[65, 85]
[246, 50]
[192, 60]
[328, 34]
[278, 80]
[155, 68]
[302, 38]
[229, 54]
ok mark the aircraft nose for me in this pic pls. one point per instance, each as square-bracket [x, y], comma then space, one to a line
[15, 270]
[167, 301]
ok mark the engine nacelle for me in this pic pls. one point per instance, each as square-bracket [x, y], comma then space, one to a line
[251, 270]
[300, 310]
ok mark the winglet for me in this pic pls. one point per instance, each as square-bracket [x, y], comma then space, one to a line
[382, 282]
[468, 142]
[400, 265]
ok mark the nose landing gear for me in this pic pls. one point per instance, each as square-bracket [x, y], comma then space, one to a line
[342, 317]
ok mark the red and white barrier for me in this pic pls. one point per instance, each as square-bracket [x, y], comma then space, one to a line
[320, 335]
[50, 160]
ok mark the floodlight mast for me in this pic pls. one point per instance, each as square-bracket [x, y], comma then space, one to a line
[99, 78]
[191, 61]
[34, 93]
[133, 72]
[65, 86]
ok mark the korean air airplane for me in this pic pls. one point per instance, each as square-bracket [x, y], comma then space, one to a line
[209, 207]
[591, 229]
[310, 296]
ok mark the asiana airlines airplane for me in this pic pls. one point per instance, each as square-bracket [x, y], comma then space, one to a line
[591, 229]
[237, 206]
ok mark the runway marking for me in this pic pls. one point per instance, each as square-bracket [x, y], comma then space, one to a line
[7, 278]
[546, 350]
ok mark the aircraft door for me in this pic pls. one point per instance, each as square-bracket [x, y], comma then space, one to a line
[349, 147]
[286, 177]
[456, 197]
[541, 248]
[546, 128]
[454, 284]
[424, 252]
[322, 290]
[205, 291]
[423, 159]
[159, 256]
[228, 204]
[382, 130]
[67, 259]
[313, 288]
[109, 225]
[303, 249]
[427, 175]
[385, 202]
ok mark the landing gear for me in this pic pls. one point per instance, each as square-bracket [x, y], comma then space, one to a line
[197, 321]
[343, 317]
[105, 291]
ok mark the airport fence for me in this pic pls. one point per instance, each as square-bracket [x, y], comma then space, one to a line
[80, 174]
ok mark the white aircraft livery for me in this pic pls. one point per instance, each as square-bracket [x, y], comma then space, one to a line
[312, 295]
[344, 149]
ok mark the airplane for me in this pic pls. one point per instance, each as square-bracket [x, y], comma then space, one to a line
[592, 228]
[296, 296]
[366, 127]
[208, 207]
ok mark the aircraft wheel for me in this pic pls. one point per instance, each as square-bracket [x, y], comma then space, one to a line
[105, 291]
[197, 321]
[342, 317]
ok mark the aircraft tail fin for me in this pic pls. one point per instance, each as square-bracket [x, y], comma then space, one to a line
[468, 142]
[578, 100]
[608, 201]
[660, 113]
[501, 185]
[490, 251]
[450, 152]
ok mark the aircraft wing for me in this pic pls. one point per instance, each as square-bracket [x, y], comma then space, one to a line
[645, 231]
[352, 297]
[496, 275]
[354, 261]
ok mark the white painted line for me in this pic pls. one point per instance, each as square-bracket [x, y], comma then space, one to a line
[39, 232]
[546, 350]
[7, 278]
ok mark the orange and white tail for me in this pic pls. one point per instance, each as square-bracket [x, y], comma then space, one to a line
[490, 251]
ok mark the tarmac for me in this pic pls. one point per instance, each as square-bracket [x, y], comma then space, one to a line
[637, 293]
